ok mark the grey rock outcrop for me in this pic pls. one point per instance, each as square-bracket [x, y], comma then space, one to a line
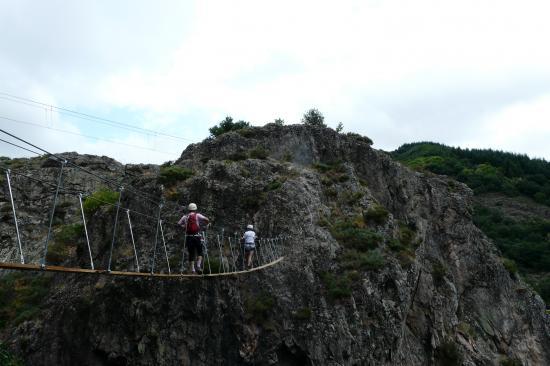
[434, 290]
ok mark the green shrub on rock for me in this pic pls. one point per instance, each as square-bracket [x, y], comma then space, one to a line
[439, 271]
[259, 306]
[21, 295]
[352, 235]
[351, 259]
[259, 153]
[303, 313]
[376, 214]
[510, 265]
[170, 175]
[227, 125]
[338, 287]
[7, 358]
[448, 354]
[98, 199]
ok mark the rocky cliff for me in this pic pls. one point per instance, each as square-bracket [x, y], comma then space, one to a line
[383, 266]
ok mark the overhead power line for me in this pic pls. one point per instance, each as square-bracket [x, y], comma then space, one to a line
[88, 117]
[21, 147]
[101, 178]
[87, 136]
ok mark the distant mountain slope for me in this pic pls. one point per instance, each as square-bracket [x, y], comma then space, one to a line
[483, 170]
[512, 197]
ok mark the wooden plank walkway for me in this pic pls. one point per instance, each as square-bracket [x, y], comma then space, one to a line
[37, 267]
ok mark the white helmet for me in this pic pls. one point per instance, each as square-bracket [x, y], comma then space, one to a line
[192, 207]
[249, 227]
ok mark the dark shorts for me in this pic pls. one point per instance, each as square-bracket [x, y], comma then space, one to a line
[249, 248]
[194, 246]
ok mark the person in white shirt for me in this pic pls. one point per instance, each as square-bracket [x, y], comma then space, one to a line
[249, 245]
[192, 223]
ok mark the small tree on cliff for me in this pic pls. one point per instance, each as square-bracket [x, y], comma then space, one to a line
[314, 118]
[227, 125]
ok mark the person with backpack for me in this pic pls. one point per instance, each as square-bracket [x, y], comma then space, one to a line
[192, 223]
[249, 237]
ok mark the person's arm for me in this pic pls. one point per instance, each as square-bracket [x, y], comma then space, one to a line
[204, 219]
[183, 221]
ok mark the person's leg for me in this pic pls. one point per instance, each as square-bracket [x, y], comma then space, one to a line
[199, 255]
[250, 254]
[192, 254]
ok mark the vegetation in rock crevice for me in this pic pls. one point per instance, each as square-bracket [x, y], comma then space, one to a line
[100, 198]
[171, 175]
[21, 296]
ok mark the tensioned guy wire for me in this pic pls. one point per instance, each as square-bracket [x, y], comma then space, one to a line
[90, 117]
[86, 136]
[105, 180]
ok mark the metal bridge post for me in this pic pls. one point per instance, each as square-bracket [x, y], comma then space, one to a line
[15, 218]
[183, 251]
[156, 241]
[272, 249]
[114, 228]
[232, 254]
[222, 267]
[85, 229]
[205, 244]
[164, 243]
[43, 264]
[132, 236]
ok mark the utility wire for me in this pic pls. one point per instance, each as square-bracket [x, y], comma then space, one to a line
[106, 180]
[93, 118]
[87, 136]
[66, 190]
[21, 147]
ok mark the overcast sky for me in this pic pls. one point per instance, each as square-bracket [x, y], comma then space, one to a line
[465, 73]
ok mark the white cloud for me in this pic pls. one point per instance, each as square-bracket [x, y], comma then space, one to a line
[519, 127]
[395, 71]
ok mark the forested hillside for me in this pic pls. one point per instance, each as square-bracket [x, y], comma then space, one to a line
[512, 201]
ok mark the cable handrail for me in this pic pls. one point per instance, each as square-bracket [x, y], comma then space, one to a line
[267, 254]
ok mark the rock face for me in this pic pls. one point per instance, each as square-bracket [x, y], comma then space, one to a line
[383, 266]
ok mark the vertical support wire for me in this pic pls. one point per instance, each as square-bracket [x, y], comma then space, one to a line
[265, 249]
[15, 219]
[270, 246]
[238, 242]
[114, 228]
[165, 250]
[133, 242]
[258, 253]
[59, 179]
[183, 251]
[221, 266]
[152, 260]
[232, 254]
[223, 251]
[243, 253]
[204, 243]
[266, 255]
[86, 230]
[255, 256]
